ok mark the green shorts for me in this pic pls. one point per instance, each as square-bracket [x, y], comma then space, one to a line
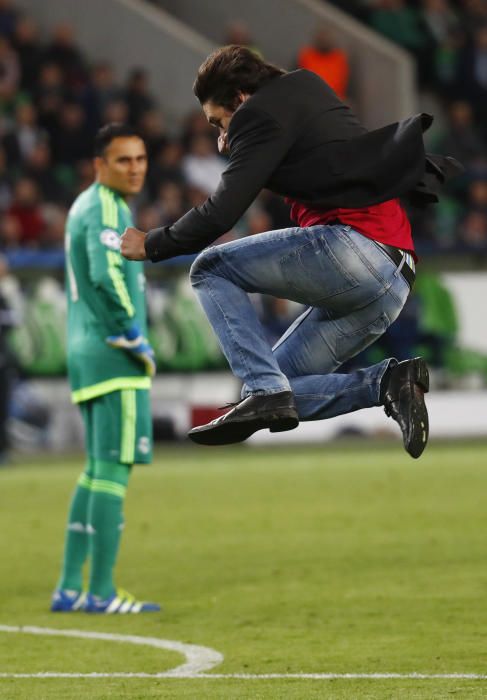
[118, 427]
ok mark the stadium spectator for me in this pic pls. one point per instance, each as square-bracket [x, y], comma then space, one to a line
[5, 182]
[26, 210]
[440, 19]
[400, 22]
[473, 230]
[238, 32]
[8, 17]
[83, 174]
[194, 125]
[9, 75]
[10, 233]
[170, 204]
[446, 59]
[27, 44]
[38, 166]
[472, 74]
[326, 59]
[275, 315]
[477, 196]
[116, 112]
[72, 141]
[49, 96]
[403, 24]
[195, 196]
[202, 167]
[443, 26]
[54, 218]
[100, 90]
[148, 216]
[166, 167]
[137, 95]
[24, 136]
[152, 128]
[461, 138]
[474, 14]
[63, 52]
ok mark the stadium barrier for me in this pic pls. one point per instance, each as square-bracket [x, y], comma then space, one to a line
[179, 401]
[185, 391]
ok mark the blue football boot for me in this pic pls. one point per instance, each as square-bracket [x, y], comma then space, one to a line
[119, 603]
[67, 601]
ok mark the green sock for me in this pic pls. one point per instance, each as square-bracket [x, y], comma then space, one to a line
[105, 518]
[76, 541]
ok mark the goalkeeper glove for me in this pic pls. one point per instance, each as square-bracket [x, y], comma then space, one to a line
[135, 343]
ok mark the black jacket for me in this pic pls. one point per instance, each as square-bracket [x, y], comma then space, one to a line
[295, 137]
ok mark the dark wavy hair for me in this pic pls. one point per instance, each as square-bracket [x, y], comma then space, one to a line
[229, 71]
[114, 130]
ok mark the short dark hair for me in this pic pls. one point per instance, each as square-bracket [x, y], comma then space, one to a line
[231, 70]
[109, 132]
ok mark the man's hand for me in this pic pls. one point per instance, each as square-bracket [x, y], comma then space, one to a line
[132, 244]
[135, 343]
[223, 143]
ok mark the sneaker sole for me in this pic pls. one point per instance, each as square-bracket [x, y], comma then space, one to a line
[75, 607]
[230, 433]
[117, 612]
[418, 416]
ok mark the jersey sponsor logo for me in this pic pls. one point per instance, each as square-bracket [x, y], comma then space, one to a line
[143, 445]
[110, 239]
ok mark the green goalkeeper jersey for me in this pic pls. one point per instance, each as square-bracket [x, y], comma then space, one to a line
[106, 296]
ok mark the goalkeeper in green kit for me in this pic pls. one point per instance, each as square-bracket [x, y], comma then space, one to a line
[110, 365]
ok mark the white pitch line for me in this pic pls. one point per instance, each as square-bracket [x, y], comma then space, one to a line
[259, 676]
[347, 676]
[198, 658]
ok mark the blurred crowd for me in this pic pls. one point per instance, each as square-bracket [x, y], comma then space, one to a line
[448, 42]
[53, 99]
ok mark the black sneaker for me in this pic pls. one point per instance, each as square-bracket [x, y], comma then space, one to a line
[403, 399]
[277, 412]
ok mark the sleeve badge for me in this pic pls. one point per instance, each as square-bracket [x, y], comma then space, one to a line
[110, 239]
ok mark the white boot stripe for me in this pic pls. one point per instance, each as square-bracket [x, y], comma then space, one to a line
[121, 604]
[79, 601]
[114, 605]
[125, 607]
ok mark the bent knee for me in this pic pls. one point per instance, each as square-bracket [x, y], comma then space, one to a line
[203, 265]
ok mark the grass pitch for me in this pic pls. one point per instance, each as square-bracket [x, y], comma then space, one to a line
[342, 559]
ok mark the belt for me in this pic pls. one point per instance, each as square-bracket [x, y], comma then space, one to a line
[402, 259]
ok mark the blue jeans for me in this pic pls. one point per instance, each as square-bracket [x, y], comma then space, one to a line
[353, 290]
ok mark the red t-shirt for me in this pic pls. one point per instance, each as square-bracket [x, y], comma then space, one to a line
[386, 222]
[30, 222]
